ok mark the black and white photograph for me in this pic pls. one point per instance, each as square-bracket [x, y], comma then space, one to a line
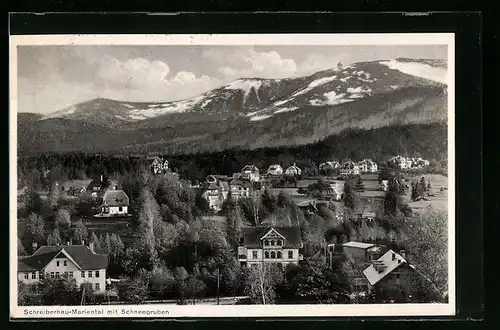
[232, 175]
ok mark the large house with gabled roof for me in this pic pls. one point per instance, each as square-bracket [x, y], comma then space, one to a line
[114, 203]
[78, 262]
[275, 245]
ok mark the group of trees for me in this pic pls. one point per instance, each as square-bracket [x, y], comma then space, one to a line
[420, 188]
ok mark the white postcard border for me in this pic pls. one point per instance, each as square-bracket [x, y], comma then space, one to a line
[175, 311]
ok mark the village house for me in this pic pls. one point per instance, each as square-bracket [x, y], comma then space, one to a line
[392, 278]
[367, 166]
[329, 166]
[308, 207]
[293, 171]
[240, 188]
[368, 215]
[215, 192]
[275, 170]
[114, 203]
[401, 162]
[349, 168]
[419, 162]
[97, 186]
[361, 252]
[158, 165]
[335, 191]
[278, 245]
[384, 185]
[76, 191]
[78, 262]
[250, 172]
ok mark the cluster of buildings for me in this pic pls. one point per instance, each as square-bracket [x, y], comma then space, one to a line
[408, 162]
[349, 168]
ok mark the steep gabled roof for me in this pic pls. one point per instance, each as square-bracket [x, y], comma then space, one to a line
[84, 258]
[251, 168]
[383, 266]
[115, 198]
[243, 183]
[359, 245]
[252, 236]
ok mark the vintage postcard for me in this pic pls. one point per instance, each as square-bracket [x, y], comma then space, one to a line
[290, 175]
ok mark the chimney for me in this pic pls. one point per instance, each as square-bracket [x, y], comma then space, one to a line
[91, 246]
[403, 253]
[101, 178]
[35, 246]
[393, 256]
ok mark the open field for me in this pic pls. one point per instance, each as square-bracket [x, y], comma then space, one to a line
[438, 202]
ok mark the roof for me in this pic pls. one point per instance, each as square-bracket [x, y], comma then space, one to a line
[293, 168]
[250, 168]
[359, 245]
[252, 236]
[386, 265]
[369, 214]
[115, 198]
[224, 185]
[81, 254]
[274, 167]
[237, 182]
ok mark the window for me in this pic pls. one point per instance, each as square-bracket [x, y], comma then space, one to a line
[70, 274]
[33, 276]
[290, 254]
[57, 263]
[273, 255]
[65, 263]
[51, 274]
[97, 286]
[280, 242]
[254, 254]
[266, 242]
[272, 242]
[266, 254]
[120, 209]
[90, 274]
[83, 274]
[26, 276]
[57, 275]
[96, 273]
[279, 256]
[65, 273]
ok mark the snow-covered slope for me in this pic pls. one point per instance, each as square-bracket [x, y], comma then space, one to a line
[260, 99]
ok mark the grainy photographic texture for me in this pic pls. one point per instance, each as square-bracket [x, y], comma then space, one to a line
[232, 175]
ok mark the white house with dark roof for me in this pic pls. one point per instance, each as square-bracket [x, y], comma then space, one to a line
[293, 170]
[277, 245]
[250, 172]
[362, 252]
[240, 188]
[215, 192]
[114, 203]
[329, 165]
[159, 165]
[349, 168]
[367, 166]
[78, 262]
[275, 169]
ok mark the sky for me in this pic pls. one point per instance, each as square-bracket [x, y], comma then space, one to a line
[51, 78]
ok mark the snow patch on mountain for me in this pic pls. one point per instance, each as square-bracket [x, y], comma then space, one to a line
[244, 85]
[173, 107]
[331, 98]
[286, 109]
[277, 104]
[259, 118]
[417, 69]
[153, 105]
[130, 106]
[61, 113]
[321, 81]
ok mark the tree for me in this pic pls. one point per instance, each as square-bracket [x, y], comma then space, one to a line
[426, 242]
[349, 198]
[54, 238]
[63, 223]
[28, 295]
[34, 232]
[423, 184]
[194, 287]
[161, 281]
[80, 232]
[134, 290]
[180, 276]
[384, 174]
[20, 248]
[32, 202]
[359, 186]
[58, 291]
[261, 283]
[54, 194]
[85, 205]
[87, 293]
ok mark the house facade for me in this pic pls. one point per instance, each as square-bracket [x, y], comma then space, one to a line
[349, 168]
[329, 166]
[275, 170]
[215, 193]
[159, 165]
[251, 173]
[293, 170]
[335, 191]
[78, 262]
[362, 253]
[240, 188]
[401, 162]
[114, 203]
[367, 166]
[276, 245]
